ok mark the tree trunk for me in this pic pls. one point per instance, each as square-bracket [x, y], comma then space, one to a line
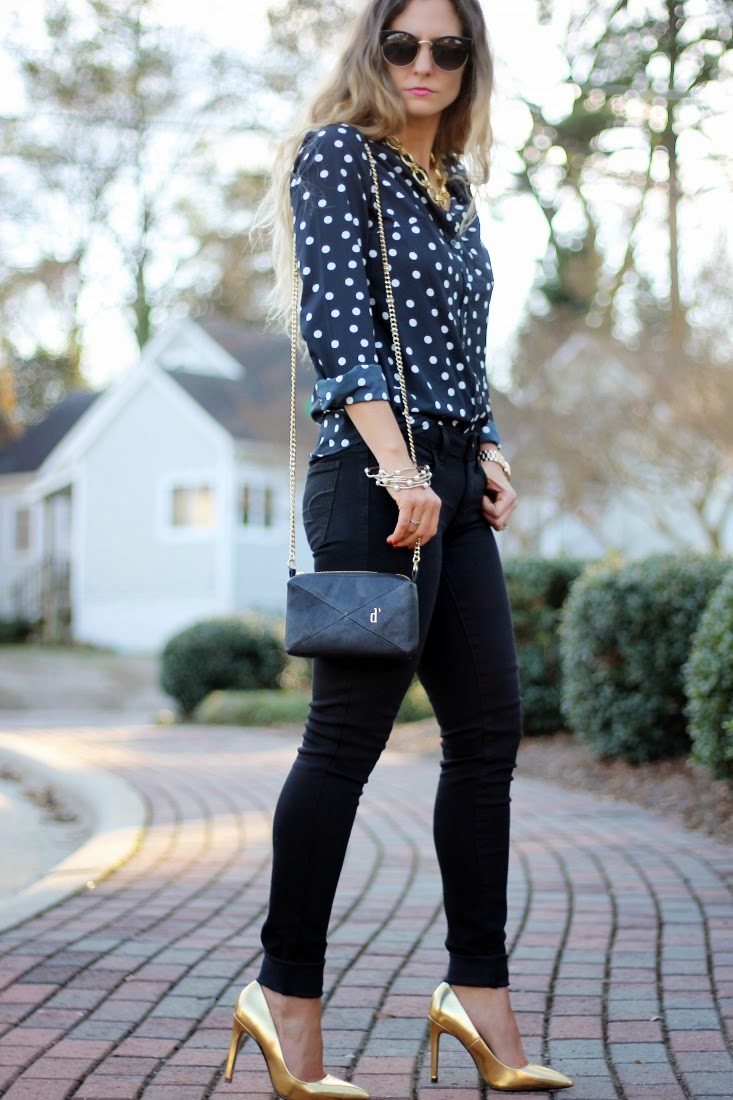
[669, 139]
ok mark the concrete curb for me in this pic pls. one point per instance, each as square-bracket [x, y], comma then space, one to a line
[119, 816]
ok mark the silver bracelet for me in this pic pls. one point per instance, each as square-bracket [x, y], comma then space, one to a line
[411, 477]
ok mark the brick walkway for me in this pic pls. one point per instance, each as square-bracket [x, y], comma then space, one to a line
[621, 936]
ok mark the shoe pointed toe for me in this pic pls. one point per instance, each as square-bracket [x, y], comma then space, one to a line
[545, 1077]
[342, 1090]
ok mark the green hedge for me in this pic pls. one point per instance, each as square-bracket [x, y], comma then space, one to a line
[253, 708]
[415, 706]
[625, 636]
[13, 631]
[285, 707]
[538, 588]
[227, 653]
[709, 683]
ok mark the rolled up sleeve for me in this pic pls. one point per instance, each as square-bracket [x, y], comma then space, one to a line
[330, 187]
[489, 430]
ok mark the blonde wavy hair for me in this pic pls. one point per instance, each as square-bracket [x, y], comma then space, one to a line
[360, 93]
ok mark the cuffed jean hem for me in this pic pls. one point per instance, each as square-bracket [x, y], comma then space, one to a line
[292, 979]
[492, 971]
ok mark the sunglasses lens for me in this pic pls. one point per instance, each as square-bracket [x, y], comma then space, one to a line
[399, 49]
[450, 53]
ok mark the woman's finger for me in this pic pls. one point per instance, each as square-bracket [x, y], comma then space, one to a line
[407, 535]
[498, 504]
[498, 513]
[417, 519]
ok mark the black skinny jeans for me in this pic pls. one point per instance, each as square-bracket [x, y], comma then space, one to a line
[467, 664]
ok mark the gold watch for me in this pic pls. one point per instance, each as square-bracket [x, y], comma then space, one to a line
[495, 455]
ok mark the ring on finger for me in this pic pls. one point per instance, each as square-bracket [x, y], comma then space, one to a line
[417, 522]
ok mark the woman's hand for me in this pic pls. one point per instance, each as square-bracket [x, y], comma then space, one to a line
[414, 504]
[500, 499]
[376, 424]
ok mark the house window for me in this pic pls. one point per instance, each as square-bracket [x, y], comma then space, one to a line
[23, 530]
[192, 507]
[256, 506]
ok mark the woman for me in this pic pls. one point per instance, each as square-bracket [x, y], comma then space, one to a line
[413, 86]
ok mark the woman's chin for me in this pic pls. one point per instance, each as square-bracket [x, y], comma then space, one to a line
[420, 108]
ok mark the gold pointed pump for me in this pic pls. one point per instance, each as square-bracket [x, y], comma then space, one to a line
[252, 1017]
[447, 1015]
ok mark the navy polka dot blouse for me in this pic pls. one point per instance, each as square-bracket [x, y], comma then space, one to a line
[442, 283]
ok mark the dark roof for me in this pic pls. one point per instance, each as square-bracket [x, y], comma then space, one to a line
[28, 452]
[248, 345]
[257, 405]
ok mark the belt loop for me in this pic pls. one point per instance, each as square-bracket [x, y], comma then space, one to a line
[445, 439]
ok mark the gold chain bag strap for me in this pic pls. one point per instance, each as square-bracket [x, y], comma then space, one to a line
[350, 613]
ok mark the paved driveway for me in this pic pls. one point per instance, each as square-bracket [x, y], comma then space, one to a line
[621, 939]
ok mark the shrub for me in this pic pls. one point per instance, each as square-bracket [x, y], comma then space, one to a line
[285, 707]
[709, 683]
[416, 705]
[15, 630]
[220, 653]
[253, 708]
[538, 588]
[625, 636]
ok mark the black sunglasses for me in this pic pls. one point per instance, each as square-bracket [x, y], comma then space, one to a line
[449, 52]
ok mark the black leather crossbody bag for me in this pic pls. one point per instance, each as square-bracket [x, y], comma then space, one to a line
[344, 613]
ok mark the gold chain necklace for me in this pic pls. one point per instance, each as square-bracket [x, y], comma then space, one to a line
[439, 194]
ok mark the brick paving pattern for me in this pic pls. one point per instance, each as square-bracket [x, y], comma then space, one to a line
[621, 934]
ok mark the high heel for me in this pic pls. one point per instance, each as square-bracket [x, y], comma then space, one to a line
[448, 1016]
[252, 1017]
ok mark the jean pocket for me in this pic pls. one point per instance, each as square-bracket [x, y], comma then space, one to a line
[318, 497]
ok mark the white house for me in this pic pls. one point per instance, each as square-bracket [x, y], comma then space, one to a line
[128, 514]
